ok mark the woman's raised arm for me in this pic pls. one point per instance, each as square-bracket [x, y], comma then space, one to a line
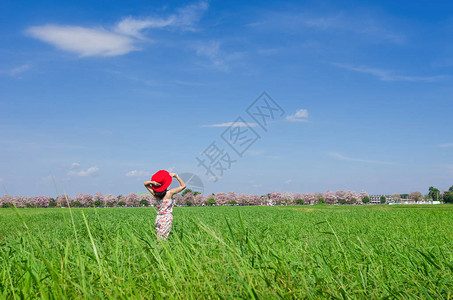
[181, 182]
[148, 186]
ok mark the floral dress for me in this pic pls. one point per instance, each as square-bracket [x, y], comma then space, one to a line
[164, 218]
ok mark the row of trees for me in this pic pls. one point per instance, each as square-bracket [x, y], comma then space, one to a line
[433, 194]
[79, 200]
[193, 198]
[447, 196]
[186, 198]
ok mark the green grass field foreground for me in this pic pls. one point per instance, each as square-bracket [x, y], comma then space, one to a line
[364, 252]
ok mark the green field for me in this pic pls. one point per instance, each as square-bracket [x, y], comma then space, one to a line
[364, 252]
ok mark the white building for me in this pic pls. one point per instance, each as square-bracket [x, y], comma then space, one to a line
[376, 199]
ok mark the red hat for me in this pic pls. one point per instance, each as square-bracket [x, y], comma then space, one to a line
[164, 178]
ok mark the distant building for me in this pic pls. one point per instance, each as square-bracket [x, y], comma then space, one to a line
[412, 201]
[376, 199]
[408, 201]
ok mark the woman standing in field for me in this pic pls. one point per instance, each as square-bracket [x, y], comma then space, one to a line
[158, 187]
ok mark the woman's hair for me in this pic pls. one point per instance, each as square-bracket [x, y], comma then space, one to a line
[160, 195]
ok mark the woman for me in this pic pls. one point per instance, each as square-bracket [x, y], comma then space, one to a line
[158, 187]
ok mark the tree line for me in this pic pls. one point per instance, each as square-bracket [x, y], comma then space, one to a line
[193, 198]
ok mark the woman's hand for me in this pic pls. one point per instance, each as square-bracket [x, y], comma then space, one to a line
[156, 183]
[173, 174]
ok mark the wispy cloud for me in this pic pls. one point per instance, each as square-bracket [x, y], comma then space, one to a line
[346, 158]
[211, 50]
[232, 124]
[187, 17]
[134, 27]
[92, 171]
[17, 70]
[364, 25]
[301, 115]
[138, 173]
[367, 24]
[446, 145]
[83, 41]
[121, 39]
[388, 75]
[184, 19]
[217, 57]
[288, 181]
[75, 165]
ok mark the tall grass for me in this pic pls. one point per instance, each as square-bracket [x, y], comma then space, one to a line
[228, 252]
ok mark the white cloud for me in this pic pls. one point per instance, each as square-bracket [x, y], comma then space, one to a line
[92, 171]
[133, 27]
[184, 19]
[321, 22]
[368, 25]
[83, 41]
[188, 15]
[211, 50]
[446, 145]
[363, 25]
[387, 75]
[288, 181]
[75, 165]
[301, 115]
[120, 40]
[232, 124]
[137, 173]
[218, 58]
[342, 157]
[17, 70]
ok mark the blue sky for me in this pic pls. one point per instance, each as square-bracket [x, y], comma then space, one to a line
[100, 95]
